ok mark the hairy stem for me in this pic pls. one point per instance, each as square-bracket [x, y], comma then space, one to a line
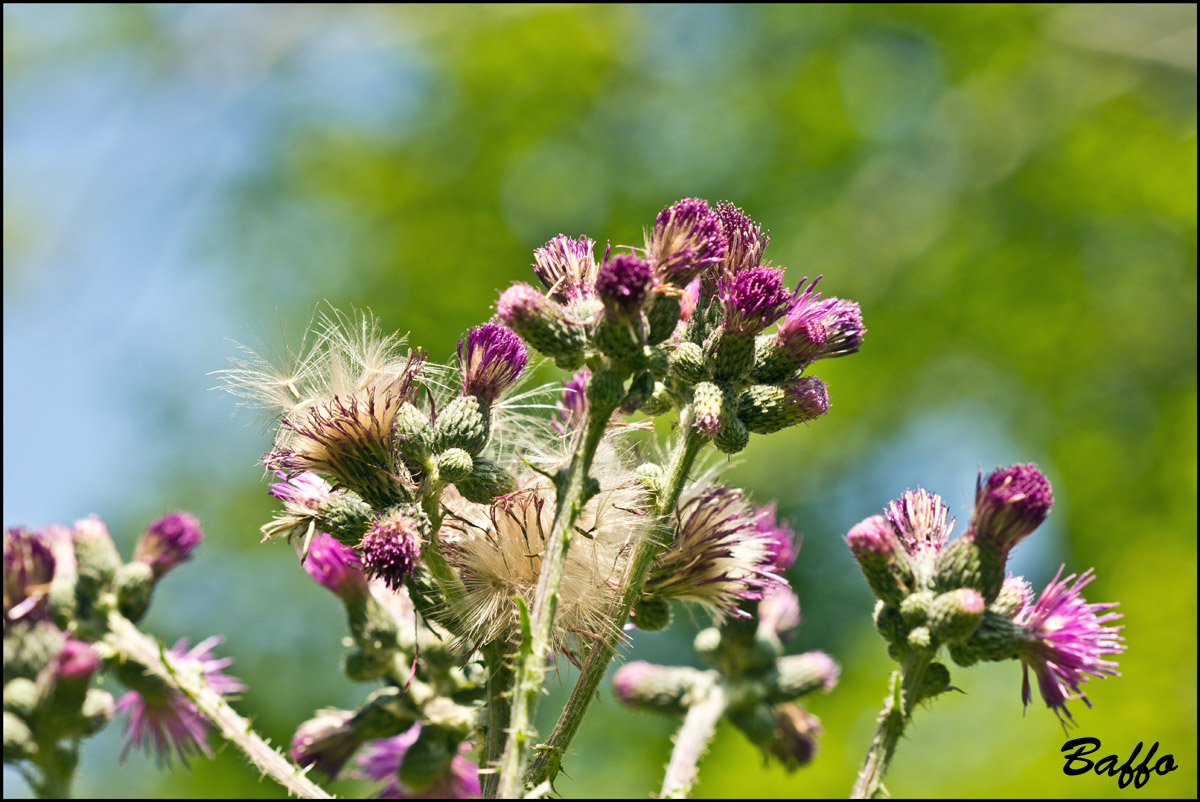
[896, 713]
[499, 708]
[694, 736]
[590, 676]
[56, 771]
[573, 494]
[133, 644]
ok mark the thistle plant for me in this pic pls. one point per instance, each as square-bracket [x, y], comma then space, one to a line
[478, 532]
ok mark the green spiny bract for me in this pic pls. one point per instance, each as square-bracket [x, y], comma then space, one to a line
[465, 423]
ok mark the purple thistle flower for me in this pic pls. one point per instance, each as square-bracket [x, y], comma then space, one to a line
[783, 545]
[1009, 505]
[391, 549]
[919, 518]
[325, 741]
[753, 298]
[28, 570]
[719, 556]
[1065, 641]
[381, 761]
[163, 719]
[573, 404]
[520, 305]
[622, 284]
[686, 241]
[745, 241]
[76, 662]
[305, 494]
[495, 357]
[794, 743]
[335, 566]
[814, 329]
[567, 267]
[779, 610]
[168, 542]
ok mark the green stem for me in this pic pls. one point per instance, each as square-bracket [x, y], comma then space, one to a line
[897, 712]
[56, 771]
[499, 710]
[694, 736]
[602, 653]
[573, 494]
[132, 644]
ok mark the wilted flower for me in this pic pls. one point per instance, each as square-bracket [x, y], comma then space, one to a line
[168, 542]
[162, 719]
[1009, 505]
[1065, 642]
[686, 241]
[567, 267]
[744, 239]
[494, 358]
[919, 519]
[325, 741]
[381, 761]
[719, 556]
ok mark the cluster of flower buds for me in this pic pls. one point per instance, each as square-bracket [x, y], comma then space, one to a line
[934, 592]
[60, 588]
[761, 685]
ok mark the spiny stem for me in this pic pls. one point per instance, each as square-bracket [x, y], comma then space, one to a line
[896, 713]
[133, 644]
[694, 736]
[499, 707]
[601, 654]
[531, 662]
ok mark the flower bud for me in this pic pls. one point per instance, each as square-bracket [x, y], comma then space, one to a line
[657, 689]
[486, 482]
[465, 424]
[28, 571]
[757, 722]
[22, 697]
[1009, 505]
[30, 646]
[996, 638]
[728, 353]
[936, 681]
[659, 401]
[733, 438]
[811, 329]
[361, 666]
[346, 518]
[19, 743]
[766, 408]
[97, 711]
[134, 583]
[413, 433]
[800, 674]
[547, 327]
[687, 363]
[1015, 594]
[796, 735]
[955, 614]
[335, 567]
[662, 316]
[572, 406]
[890, 623]
[605, 390]
[95, 556]
[168, 542]
[392, 547]
[883, 560]
[325, 742]
[711, 409]
[493, 358]
[454, 464]
[652, 614]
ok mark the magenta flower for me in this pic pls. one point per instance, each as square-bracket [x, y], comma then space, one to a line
[753, 298]
[920, 520]
[1010, 505]
[381, 760]
[162, 720]
[325, 741]
[494, 358]
[1065, 642]
[335, 566]
[573, 404]
[567, 267]
[168, 542]
[28, 570]
[686, 241]
[783, 545]
[622, 284]
[391, 548]
[744, 239]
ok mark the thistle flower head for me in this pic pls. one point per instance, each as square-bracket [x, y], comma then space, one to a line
[168, 541]
[719, 556]
[873, 535]
[325, 742]
[572, 406]
[783, 545]
[76, 662]
[814, 328]
[779, 610]
[498, 552]
[1065, 642]
[391, 549]
[28, 570]
[304, 497]
[744, 239]
[1010, 505]
[753, 298]
[163, 720]
[622, 284]
[567, 267]
[919, 518]
[794, 743]
[545, 325]
[335, 567]
[686, 241]
[380, 761]
[493, 359]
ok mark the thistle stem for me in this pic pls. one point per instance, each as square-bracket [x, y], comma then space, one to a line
[602, 653]
[573, 494]
[693, 738]
[896, 713]
[499, 709]
[131, 643]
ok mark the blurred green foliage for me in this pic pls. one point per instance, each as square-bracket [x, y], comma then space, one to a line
[1008, 191]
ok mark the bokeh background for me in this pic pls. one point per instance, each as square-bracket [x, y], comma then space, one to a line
[1009, 192]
